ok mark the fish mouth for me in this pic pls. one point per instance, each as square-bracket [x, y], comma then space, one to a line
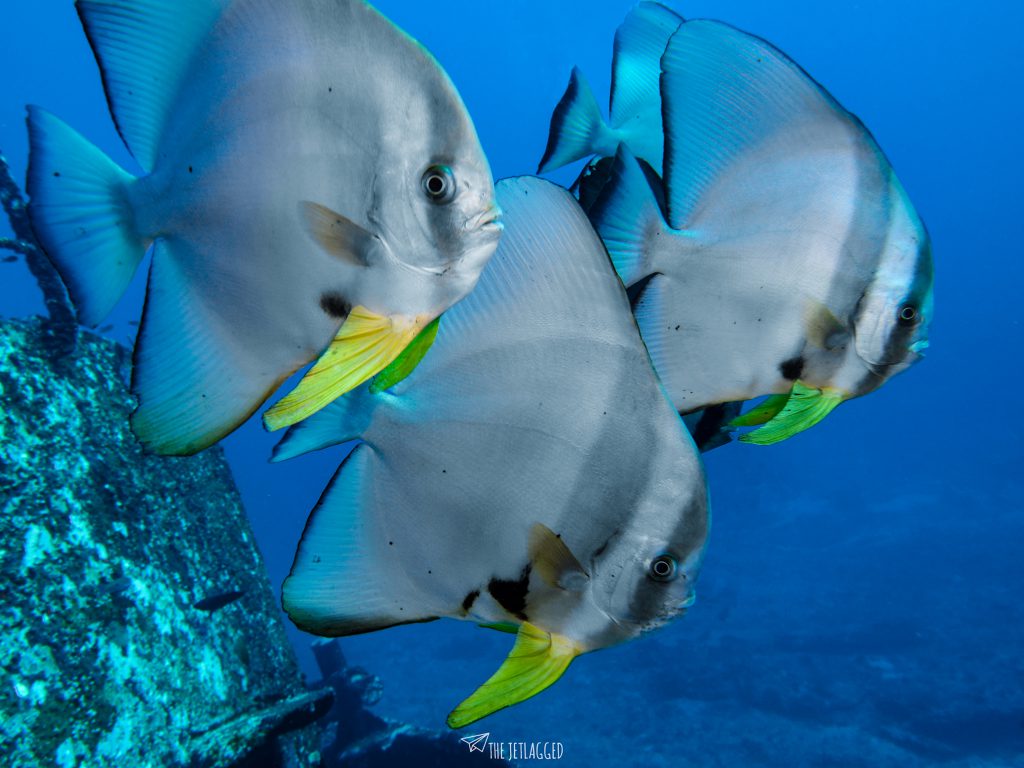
[488, 220]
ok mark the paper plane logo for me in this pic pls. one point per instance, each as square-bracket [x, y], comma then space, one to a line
[476, 743]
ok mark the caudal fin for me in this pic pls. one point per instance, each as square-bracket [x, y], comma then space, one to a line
[81, 215]
[577, 128]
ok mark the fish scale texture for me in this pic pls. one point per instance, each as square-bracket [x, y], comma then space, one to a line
[104, 550]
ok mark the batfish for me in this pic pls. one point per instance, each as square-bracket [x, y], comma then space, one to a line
[782, 256]
[311, 186]
[529, 474]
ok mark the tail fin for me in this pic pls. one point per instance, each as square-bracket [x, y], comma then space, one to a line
[577, 128]
[81, 215]
[628, 216]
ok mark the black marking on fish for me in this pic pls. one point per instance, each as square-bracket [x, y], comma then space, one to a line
[600, 550]
[792, 369]
[712, 428]
[335, 306]
[469, 600]
[216, 602]
[511, 595]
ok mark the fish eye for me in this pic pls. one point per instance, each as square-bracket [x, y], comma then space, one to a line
[908, 314]
[439, 184]
[663, 568]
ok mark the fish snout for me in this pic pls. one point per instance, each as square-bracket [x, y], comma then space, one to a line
[488, 220]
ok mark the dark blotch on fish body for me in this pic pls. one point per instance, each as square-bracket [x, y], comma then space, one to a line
[335, 305]
[792, 369]
[216, 602]
[469, 600]
[636, 291]
[511, 595]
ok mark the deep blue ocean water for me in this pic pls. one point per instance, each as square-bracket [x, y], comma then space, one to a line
[862, 601]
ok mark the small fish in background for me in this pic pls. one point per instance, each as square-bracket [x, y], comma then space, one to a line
[578, 130]
[780, 251]
[9, 259]
[106, 328]
[218, 601]
[529, 475]
[116, 586]
[329, 200]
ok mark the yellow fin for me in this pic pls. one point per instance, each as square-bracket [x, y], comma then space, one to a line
[554, 561]
[806, 407]
[364, 346]
[761, 413]
[406, 362]
[536, 661]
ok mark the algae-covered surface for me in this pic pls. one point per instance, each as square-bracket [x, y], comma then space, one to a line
[105, 551]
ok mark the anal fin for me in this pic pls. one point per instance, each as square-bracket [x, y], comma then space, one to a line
[195, 379]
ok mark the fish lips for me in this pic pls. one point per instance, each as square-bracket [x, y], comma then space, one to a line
[488, 221]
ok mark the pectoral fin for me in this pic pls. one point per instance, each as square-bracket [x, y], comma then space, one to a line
[805, 407]
[406, 362]
[339, 236]
[365, 345]
[762, 413]
[554, 561]
[537, 660]
[823, 328]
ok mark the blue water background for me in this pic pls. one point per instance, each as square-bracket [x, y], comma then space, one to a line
[861, 602]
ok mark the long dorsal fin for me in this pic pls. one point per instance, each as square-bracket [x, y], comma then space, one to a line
[635, 104]
[144, 49]
[726, 96]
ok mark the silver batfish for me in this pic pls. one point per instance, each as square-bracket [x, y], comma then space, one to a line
[784, 257]
[312, 184]
[530, 474]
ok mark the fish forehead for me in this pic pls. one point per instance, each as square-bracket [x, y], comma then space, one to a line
[335, 101]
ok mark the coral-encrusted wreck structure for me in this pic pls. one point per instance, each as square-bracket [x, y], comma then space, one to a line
[137, 624]
[105, 552]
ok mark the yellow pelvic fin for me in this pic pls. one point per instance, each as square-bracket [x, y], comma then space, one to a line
[365, 345]
[536, 661]
[406, 362]
[762, 413]
[554, 561]
[501, 626]
[805, 408]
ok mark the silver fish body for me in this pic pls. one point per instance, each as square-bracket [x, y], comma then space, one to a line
[530, 470]
[261, 112]
[784, 253]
